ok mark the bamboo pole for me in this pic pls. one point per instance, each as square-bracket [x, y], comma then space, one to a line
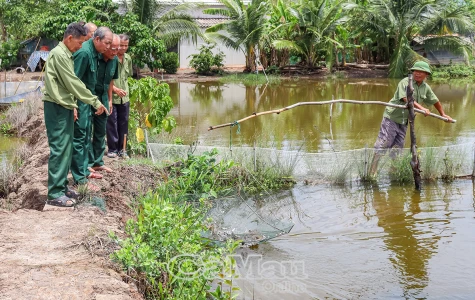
[278, 111]
[416, 172]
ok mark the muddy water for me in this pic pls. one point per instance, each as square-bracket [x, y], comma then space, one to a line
[199, 105]
[378, 242]
[7, 144]
[382, 242]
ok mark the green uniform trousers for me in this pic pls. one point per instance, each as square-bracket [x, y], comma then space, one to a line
[81, 144]
[98, 145]
[59, 123]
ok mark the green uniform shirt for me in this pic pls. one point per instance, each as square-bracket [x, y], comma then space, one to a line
[125, 71]
[422, 94]
[62, 85]
[106, 72]
[85, 65]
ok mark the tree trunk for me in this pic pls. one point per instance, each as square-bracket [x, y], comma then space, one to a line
[415, 159]
[343, 57]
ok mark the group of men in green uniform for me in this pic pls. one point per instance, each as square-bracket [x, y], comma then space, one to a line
[79, 87]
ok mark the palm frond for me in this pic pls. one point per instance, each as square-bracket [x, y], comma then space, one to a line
[227, 41]
[285, 44]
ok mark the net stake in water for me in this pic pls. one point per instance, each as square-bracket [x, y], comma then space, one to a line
[416, 172]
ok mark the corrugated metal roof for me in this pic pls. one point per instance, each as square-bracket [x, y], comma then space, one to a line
[420, 39]
[208, 22]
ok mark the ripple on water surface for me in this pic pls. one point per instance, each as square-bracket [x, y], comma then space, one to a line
[386, 242]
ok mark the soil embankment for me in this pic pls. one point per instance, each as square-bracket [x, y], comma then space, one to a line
[189, 75]
[64, 254]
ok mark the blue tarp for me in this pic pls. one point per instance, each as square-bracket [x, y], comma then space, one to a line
[20, 97]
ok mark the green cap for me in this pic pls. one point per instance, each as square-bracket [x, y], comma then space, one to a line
[421, 66]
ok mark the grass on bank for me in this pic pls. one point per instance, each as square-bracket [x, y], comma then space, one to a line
[250, 79]
[11, 122]
[453, 71]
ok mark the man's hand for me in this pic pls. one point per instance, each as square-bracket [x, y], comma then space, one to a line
[426, 111]
[120, 92]
[111, 107]
[101, 109]
[449, 119]
[75, 113]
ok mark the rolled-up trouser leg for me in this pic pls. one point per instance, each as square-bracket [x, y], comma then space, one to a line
[122, 122]
[112, 133]
[98, 146]
[59, 123]
[81, 142]
[391, 134]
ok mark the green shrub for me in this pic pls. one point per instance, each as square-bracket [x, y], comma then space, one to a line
[8, 53]
[170, 62]
[458, 71]
[206, 60]
[165, 252]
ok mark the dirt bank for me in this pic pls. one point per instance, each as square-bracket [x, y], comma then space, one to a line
[188, 75]
[64, 254]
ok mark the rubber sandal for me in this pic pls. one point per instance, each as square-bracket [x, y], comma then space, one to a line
[62, 201]
[72, 194]
[95, 175]
[102, 168]
[112, 155]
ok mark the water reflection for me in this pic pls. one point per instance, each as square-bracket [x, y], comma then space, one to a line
[397, 215]
[199, 105]
[374, 242]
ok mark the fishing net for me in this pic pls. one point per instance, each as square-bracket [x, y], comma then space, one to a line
[257, 219]
[456, 160]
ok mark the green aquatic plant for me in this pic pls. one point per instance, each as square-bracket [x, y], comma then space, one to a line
[400, 170]
[452, 165]
[429, 164]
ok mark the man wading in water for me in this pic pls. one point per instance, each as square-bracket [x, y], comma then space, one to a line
[394, 125]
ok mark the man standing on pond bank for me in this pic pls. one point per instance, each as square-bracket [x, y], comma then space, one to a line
[85, 67]
[394, 125]
[62, 86]
[118, 121]
[107, 71]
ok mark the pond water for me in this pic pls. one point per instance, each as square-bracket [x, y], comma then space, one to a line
[354, 242]
[199, 105]
[7, 144]
[381, 242]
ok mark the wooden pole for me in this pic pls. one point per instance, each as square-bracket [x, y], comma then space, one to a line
[278, 111]
[125, 143]
[416, 172]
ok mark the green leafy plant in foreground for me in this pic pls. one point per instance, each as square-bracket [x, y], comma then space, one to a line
[150, 102]
[166, 253]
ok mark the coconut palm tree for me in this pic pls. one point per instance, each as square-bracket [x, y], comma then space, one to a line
[171, 22]
[245, 28]
[317, 22]
[399, 22]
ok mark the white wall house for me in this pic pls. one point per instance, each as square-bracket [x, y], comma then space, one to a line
[232, 57]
